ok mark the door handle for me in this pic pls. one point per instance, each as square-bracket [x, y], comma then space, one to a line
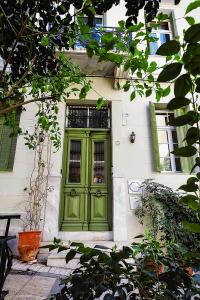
[98, 193]
[73, 193]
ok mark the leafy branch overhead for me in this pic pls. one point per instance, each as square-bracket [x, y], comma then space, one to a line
[32, 34]
[183, 70]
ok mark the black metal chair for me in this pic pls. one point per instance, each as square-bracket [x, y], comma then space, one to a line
[6, 255]
[6, 258]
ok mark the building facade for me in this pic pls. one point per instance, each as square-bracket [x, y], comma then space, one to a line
[105, 155]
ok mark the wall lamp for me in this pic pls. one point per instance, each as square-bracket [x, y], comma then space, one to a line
[132, 137]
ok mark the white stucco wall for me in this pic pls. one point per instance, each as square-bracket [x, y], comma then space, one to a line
[129, 161]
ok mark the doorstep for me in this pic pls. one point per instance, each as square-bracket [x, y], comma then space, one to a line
[56, 259]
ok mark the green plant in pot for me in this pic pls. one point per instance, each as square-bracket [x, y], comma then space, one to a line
[150, 253]
[162, 211]
[123, 273]
[29, 239]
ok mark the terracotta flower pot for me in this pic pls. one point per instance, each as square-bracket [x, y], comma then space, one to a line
[28, 245]
[157, 268]
[189, 271]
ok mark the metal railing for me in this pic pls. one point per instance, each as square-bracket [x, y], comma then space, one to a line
[97, 33]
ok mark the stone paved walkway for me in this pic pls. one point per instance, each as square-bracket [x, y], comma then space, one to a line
[40, 268]
[33, 282]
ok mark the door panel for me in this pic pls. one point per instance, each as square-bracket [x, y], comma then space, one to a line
[99, 211]
[99, 188]
[73, 212]
[86, 198]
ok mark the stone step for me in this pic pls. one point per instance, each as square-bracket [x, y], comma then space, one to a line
[56, 259]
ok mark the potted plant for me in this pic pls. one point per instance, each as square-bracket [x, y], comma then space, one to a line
[162, 211]
[151, 254]
[29, 239]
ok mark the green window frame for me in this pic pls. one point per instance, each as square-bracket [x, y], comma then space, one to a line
[7, 145]
[162, 34]
[186, 162]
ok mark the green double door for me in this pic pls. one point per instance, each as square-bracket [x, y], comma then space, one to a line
[86, 198]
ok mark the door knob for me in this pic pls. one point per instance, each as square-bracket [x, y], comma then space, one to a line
[98, 193]
[73, 193]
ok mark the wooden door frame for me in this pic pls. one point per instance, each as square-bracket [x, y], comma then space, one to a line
[64, 173]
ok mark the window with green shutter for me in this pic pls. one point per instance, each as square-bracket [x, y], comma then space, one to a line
[166, 139]
[7, 145]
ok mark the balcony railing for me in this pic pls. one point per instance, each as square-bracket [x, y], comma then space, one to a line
[97, 33]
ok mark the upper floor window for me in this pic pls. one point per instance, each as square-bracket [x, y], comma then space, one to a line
[162, 33]
[87, 117]
[167, 142]
[166, 138]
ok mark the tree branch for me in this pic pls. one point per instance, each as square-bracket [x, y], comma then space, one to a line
[22, 103]
[7, 20]
[12, 50]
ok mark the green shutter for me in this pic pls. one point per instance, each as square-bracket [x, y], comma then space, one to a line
[156, 154]
[7, 146]
[186, 162]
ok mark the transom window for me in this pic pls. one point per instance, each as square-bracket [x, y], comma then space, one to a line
[87, 117]
[167, 142]
[162, 33]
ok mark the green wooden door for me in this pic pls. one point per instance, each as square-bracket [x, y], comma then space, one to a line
[86, 199]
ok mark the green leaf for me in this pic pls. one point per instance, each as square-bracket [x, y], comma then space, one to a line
[75, 244]
[148, 92]
[122, 24]
[178, 102]
[116, 58]
[192, 135]
[192, 6]
[197, 82]
[57, 241]
[70, 255]
[182, 85]
[169, 48]
[24, 90]
[191, 202]
[44, 41]
[152, 67]
[189, 188]
[170, 72]
[139, 236]
[186, 199]
[132, 48]
[190, 20]
[161, 16]
[133, 95]
[192, 180]
[85, 257]
[47, 246]
[192, 34]
[186, 151]
[108, 40]
[191, 185]
[100, 102]
[181, 120]
[90, 51]
[166, 91]
[126, 86]
[62, 248]
[193, 227]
